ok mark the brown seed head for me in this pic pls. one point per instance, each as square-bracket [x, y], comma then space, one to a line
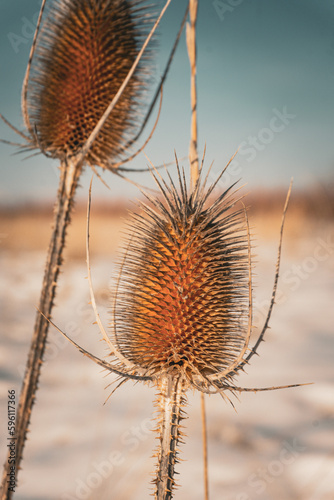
[85, 50]
[182, 300]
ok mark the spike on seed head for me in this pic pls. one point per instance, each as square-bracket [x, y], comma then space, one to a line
[85, 50]
[182, 299]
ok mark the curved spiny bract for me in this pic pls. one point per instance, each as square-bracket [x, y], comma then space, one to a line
[83, 53]
[182, 295]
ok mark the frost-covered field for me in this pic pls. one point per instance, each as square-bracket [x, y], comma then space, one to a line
[276, 445]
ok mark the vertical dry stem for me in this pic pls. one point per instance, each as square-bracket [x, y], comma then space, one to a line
[205, 448]
[194, 173]
[191, 45]
[170, 403]
[68, 181]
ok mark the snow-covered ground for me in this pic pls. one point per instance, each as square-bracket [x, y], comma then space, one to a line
[276, 445]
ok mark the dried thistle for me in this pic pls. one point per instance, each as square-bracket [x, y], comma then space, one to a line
[186, 271]
[82, 56]
[182, 309]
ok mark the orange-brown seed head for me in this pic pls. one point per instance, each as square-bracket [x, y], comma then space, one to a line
[85, 50]
[183, 292]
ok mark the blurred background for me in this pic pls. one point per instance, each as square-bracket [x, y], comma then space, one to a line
[265, 86]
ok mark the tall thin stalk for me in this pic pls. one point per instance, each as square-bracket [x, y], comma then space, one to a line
[205, 447]
[170, 401]
[194, 174]
[192, 53]
[69, 176]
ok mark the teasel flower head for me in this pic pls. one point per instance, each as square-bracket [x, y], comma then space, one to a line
[83, 53]
[182, 297]
[181, 308]
[182, 304]
[182, 301]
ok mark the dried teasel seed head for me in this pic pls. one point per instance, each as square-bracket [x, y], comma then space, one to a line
[182, 293]
[84, 52]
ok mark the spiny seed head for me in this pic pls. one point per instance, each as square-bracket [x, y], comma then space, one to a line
[84, 52]
[182, 297]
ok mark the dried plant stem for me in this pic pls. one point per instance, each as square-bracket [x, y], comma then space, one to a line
[205, 448]
[194, 173]
[170, 402]
[191, 46]
[68, 181]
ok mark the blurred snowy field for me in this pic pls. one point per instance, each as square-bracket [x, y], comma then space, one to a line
[276, 445]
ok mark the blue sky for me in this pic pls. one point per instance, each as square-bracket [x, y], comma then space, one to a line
[265, 85]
